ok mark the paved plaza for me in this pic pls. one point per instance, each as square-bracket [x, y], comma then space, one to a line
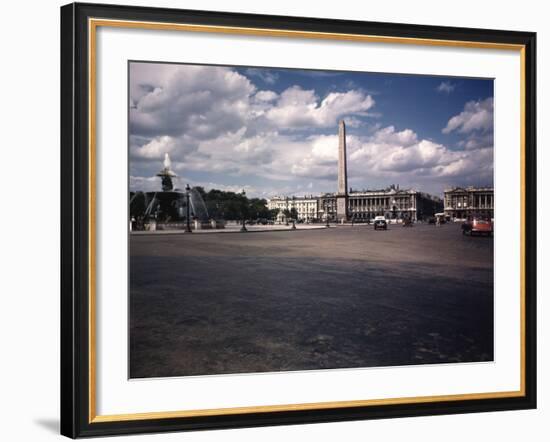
[309, 299]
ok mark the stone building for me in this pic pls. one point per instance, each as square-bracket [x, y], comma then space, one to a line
[462, 202]
[307, 207]
[392, 203]
[327, 207]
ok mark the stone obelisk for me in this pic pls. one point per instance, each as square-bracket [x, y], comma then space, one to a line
[342, 195]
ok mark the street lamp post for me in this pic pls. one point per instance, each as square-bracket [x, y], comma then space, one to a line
[188, 220]
[243, 207]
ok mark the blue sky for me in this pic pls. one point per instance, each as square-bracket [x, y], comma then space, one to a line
[274, 131]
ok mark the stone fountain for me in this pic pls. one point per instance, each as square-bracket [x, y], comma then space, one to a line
[166, 209]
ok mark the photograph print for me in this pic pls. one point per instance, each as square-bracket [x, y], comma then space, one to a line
[287, 220]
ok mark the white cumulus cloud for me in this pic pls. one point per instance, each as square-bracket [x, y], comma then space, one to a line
[297, 108]
[477, 115]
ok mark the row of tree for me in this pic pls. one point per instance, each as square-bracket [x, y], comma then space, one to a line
[235, 206]
[219, 205]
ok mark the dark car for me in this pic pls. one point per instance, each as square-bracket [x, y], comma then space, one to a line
[478, 226]
[380, 223]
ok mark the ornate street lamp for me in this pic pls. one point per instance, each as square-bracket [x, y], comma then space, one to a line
[243, 227]
[188, 220]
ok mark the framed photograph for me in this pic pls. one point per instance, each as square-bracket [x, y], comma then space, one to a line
[274, 220]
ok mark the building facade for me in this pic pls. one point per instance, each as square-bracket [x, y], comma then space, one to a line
[328, 207]
[392, 203]
[462, 202]
[307, 207]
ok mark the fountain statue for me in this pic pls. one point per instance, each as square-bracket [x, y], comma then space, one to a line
[166, 174]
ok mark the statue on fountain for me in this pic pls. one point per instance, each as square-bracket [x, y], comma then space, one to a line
[166, 175]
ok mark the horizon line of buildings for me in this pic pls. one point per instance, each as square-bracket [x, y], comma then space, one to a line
[391, 202]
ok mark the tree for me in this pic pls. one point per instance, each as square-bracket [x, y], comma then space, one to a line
[225, 205]
[244, 207]
[201, 191]
[290, 214]
[286, 213]
[258, 208]
[234, 206]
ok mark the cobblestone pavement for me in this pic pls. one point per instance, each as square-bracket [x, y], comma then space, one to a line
[297, 300]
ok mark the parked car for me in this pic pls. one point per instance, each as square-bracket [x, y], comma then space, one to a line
[380, 223]
[441, 217]
[478, 226]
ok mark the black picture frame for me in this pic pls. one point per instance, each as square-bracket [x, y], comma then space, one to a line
[76, 249]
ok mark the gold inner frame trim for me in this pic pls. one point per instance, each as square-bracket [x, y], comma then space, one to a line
[93, 24]
[298, 34]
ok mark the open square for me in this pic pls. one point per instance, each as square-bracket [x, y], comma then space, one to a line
[342, 297]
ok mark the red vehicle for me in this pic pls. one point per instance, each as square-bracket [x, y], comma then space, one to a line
[477, 225]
